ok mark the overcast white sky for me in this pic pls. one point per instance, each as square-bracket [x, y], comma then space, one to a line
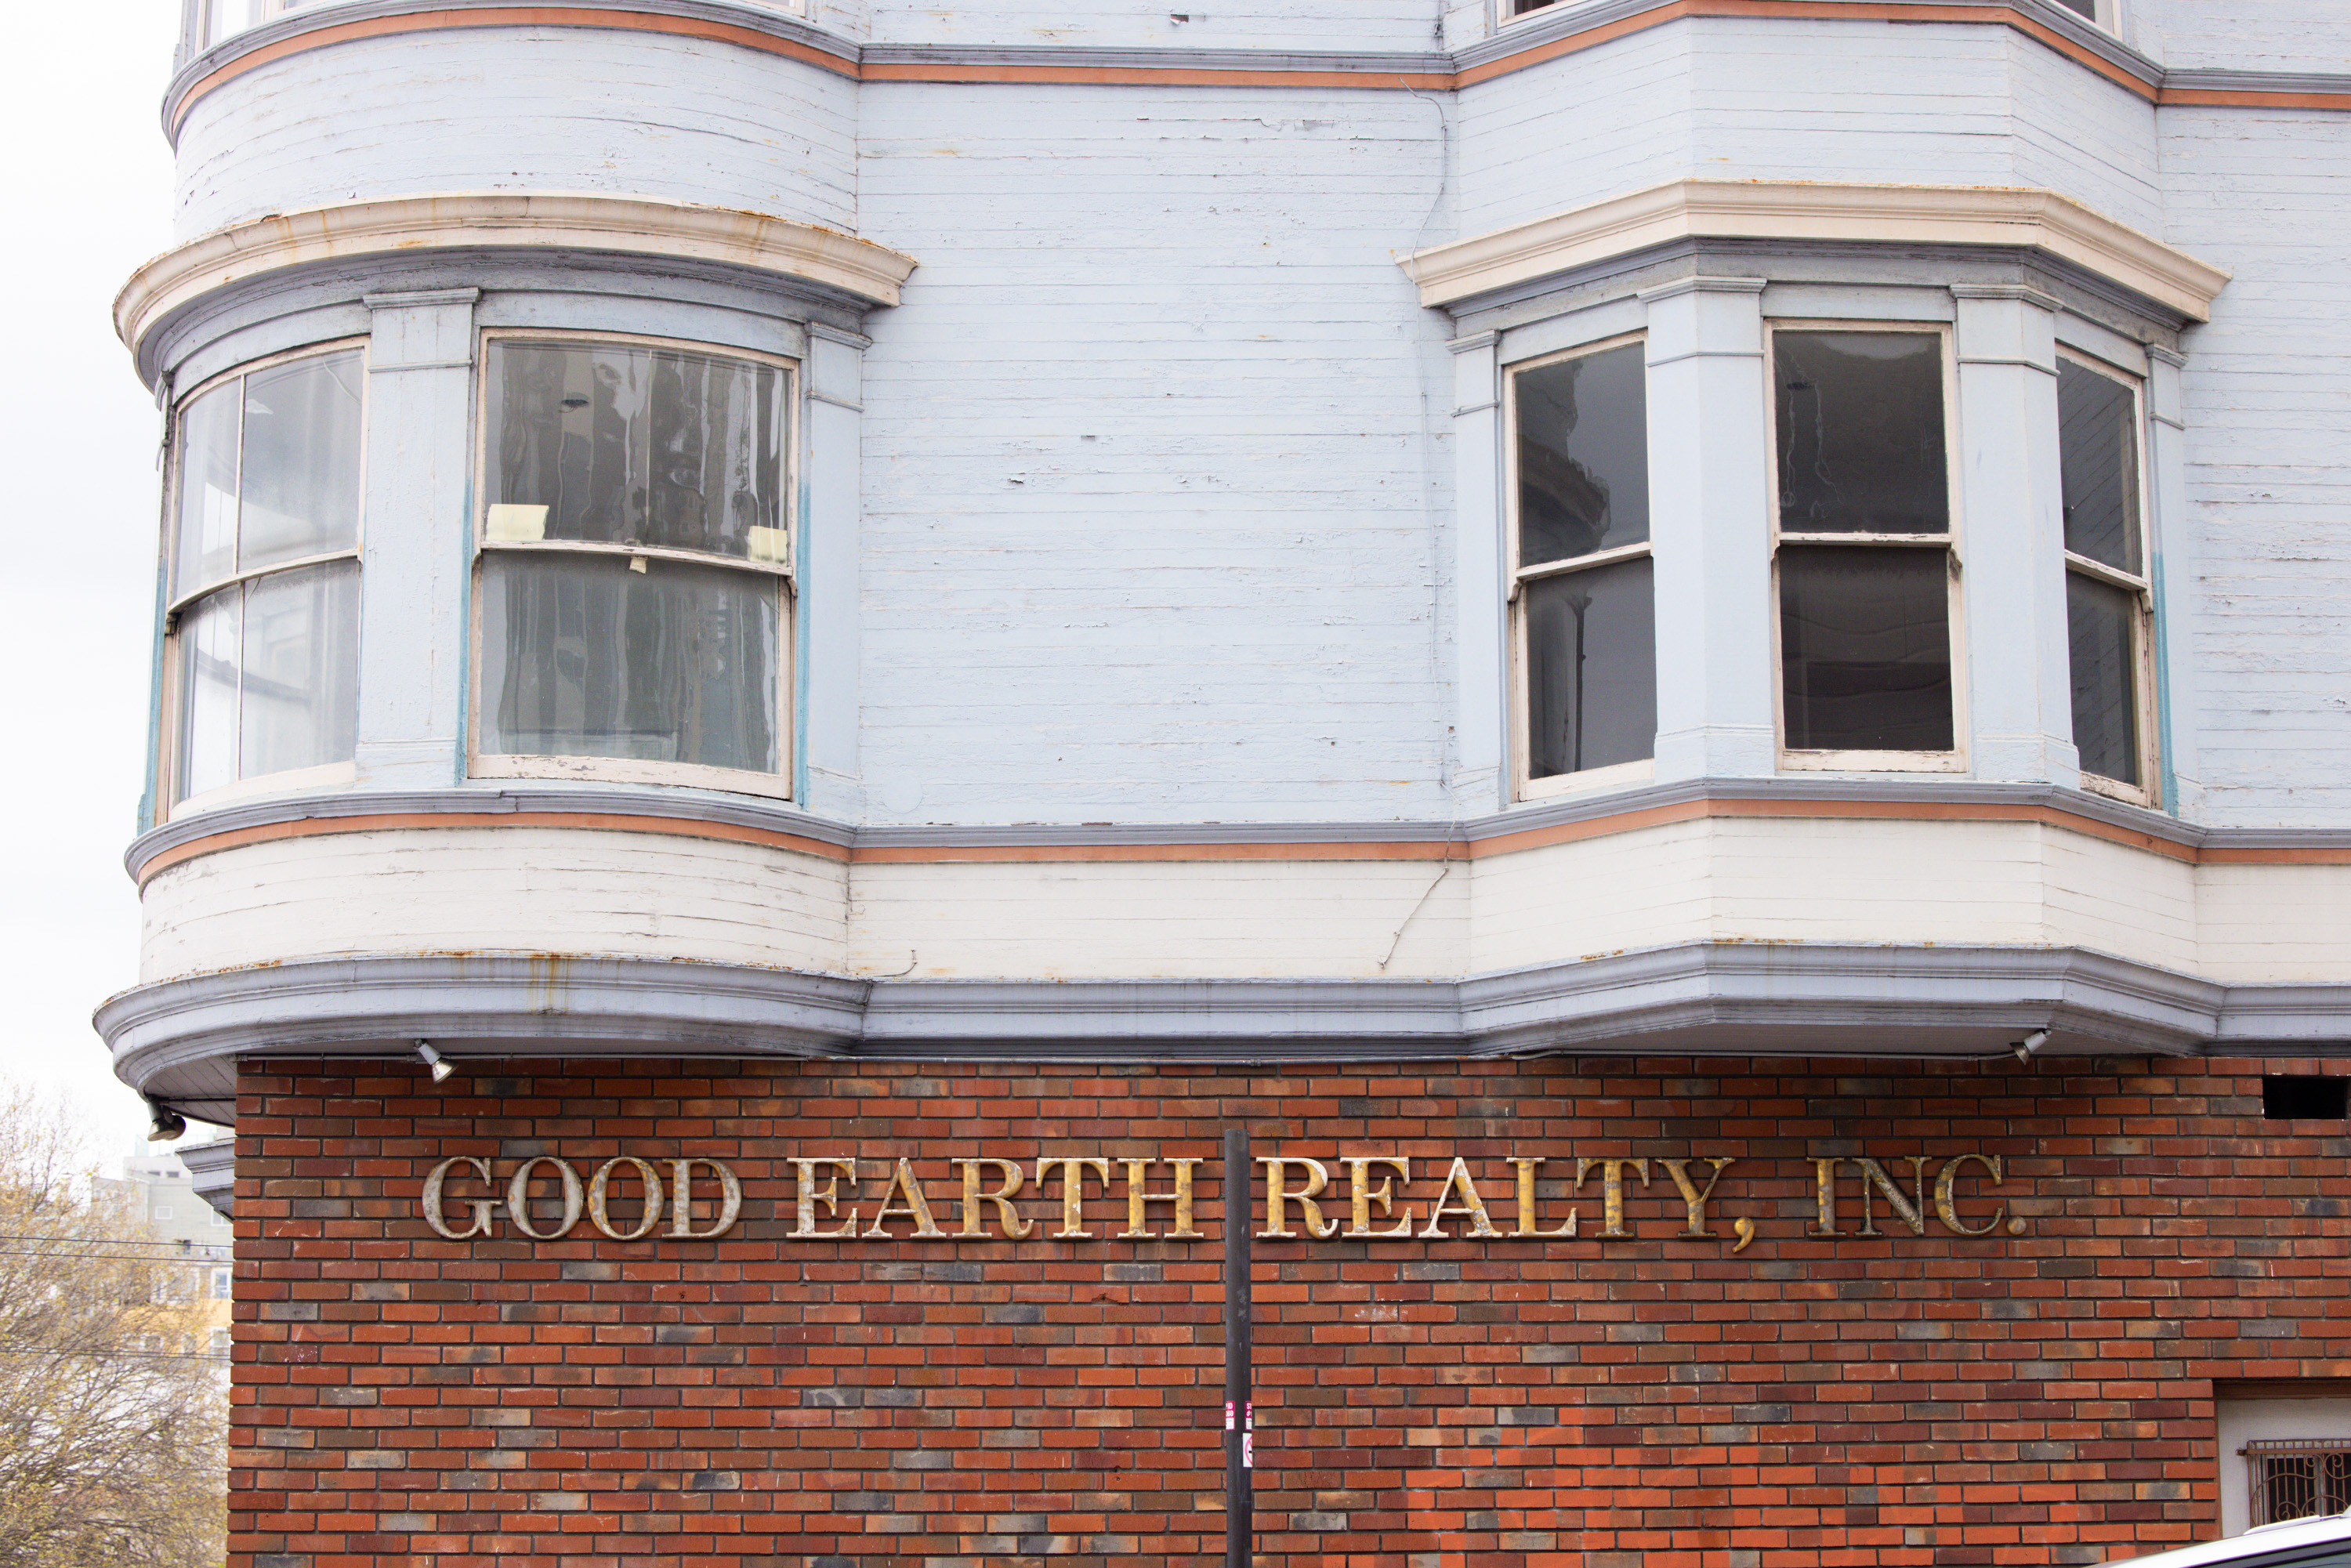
[87, 185]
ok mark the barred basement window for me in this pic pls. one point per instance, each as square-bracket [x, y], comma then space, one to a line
[1582, 584]
[264, 597]
[2297, 1478]
[634, 593]
[2109, 596]
[1864, 561]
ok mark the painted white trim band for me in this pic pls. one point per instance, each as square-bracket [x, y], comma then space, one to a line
[638, 226]
[2007, 217]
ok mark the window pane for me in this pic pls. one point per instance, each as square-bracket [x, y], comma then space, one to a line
[717, 454]
[2097, 445]
[2082, 7]
[1592, 668]
[1866, 649]
[1861, 432]
[300, 706]
[2106, 687]
[206, 547]
[301, 470]
[209, 632]
[1583, 455]
[583, 657]
[567, 432]
[633, 446]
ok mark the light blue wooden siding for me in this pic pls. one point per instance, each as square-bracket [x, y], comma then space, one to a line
[1152, 501]
[2268, 403]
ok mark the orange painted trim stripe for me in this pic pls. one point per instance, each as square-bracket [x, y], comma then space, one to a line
[1173, 76]
[1425, 850]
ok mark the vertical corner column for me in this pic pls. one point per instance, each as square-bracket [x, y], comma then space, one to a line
[416, 554]
[829, 780]
[1710, 528]
[1480, 644]
[2011, 540]
[2171, 548]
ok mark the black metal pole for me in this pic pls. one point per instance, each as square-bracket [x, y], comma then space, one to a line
[1240, 1414]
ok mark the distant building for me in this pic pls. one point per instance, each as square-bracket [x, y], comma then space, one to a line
[185, 1236]
[1692, 652]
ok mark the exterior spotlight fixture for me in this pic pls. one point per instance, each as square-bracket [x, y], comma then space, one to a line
[165, 1125]
[2031, 1043]
[433, 1060]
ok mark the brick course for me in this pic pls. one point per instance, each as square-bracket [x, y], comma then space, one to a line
[759, 1402]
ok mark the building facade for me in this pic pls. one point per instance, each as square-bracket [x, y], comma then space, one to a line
[1690, 652]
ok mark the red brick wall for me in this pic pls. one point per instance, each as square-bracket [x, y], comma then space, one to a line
[758, 1403]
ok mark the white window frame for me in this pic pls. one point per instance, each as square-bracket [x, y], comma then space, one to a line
[173, 706]
[776, 785]
[2142, 590]
[1525, 787]
[1792, 760]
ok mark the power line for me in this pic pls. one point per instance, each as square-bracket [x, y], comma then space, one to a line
[116, 1354]
[110, 1241]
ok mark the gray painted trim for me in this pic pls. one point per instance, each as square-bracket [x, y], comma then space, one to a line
[1542, 28]
[757, 19]
[708, 806]
[2212, 78]
[184, 1037]
[1100, 56]
[1565, 19]
[212, 1168]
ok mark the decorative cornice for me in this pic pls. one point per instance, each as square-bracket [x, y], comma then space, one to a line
[704, 814]
[1564, 29]
[410, 226]
[182, 1037]
[2010, 217]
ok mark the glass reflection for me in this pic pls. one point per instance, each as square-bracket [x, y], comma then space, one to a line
[1861, 432]
[1866, 649]
[210, 632]
[205, 551]
[2099, 623]
[1583, 455]
[639, 446]
[2097, 445]
[301, 478]
[1590, 662]
[299, 703]
[584, 657]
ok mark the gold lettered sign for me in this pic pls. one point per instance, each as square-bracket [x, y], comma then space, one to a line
[1366, 1197]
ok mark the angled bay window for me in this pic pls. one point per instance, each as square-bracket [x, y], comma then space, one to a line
[264, 603]
[2109, 599]
[1582, 585]
[1864, 555]
[634, 593]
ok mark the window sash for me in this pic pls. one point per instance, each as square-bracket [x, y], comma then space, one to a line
[2138, 585]
[1945, 544]
[1526, 584]
[212, 739]
[489, 757]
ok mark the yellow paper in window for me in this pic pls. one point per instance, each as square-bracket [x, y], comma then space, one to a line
[518, 525]
[769, 544]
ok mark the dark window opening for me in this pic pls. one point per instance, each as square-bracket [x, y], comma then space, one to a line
[2298, 1478]
[2305, 1097]
[2087, 8]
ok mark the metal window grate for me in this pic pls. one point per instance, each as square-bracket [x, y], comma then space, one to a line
[2297, 1478]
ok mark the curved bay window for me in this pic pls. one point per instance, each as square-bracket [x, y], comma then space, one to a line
[263, 606]
[634, 589]
[1864, 549]
[1582, 585]
[2109, 597]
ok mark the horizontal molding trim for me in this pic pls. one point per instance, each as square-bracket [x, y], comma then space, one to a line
[182, 1038]
[690, 815]
[411, 225]
[1567, 29]
[2004, 217]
